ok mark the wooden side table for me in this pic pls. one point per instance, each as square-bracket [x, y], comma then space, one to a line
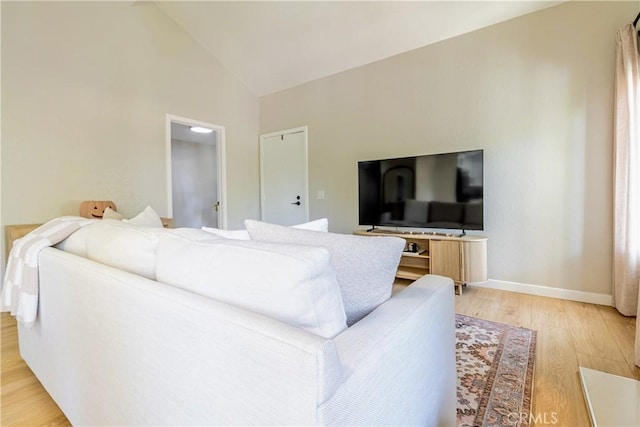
[13, 233]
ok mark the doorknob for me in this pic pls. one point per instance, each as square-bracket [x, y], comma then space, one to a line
[216, 207]
[296, 203]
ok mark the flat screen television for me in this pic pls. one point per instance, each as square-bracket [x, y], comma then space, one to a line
[440, 191]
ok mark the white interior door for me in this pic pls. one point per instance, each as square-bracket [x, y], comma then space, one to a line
[283, 177]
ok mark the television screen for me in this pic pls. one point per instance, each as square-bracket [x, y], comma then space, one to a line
[429, 191]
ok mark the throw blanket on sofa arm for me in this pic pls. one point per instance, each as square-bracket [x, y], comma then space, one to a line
[21, 285]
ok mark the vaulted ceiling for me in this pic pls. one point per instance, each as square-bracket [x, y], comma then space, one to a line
[275, 45]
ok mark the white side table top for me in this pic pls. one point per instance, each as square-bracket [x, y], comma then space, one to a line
[612, 400]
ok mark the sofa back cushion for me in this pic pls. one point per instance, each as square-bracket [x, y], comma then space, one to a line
[473, 215]
[124, 246]
[416, 211]
[292, 283]
[194, 234]
[76, 243]
[365, 266]
[446, 212]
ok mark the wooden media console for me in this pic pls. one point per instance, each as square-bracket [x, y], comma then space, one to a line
[463, 259]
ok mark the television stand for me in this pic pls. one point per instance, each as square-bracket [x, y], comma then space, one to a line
[462, 258]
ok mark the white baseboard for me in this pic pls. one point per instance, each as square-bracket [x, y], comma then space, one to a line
[546, 291]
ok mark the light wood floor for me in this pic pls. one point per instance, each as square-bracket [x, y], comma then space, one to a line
[23, 400]
[570, 334]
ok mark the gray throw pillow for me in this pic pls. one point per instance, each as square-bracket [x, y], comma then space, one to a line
[365, 266]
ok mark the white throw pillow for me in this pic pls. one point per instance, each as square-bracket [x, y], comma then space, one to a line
[111, 214]
[228, 234]
[365, 266]
[147, 218]
[321, 224]
[292, 283]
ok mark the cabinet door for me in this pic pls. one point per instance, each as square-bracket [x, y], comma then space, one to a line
[446, 258]
[475, 261]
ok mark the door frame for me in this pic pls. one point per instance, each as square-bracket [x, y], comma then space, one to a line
[222, 163]
[305, 138]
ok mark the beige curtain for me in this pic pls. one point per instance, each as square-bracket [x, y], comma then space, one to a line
[626, 268]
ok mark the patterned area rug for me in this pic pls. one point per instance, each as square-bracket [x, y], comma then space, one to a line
[495, 372]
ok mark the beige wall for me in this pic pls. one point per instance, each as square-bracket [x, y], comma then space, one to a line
[85, 90]
[536, 93]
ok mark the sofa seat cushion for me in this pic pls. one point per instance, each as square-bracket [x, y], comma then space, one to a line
[292, 283]
[365, 266]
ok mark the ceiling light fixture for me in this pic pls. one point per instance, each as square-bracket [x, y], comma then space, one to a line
[200, 129]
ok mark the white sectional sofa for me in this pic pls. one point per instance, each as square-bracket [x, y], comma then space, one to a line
[141, 326]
